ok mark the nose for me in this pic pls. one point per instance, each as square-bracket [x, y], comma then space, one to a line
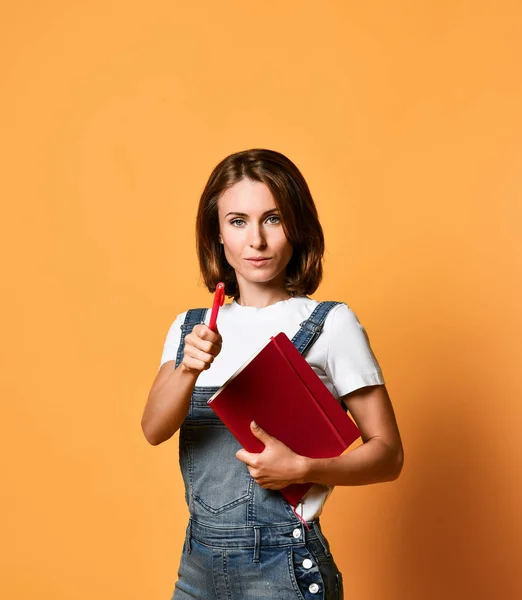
[257, 238]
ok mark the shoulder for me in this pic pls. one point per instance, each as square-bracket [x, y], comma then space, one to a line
[341, 315]
[343, 325]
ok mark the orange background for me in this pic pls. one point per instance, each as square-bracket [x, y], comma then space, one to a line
[405, 119]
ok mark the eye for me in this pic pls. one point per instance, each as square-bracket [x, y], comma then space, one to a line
[234, 221]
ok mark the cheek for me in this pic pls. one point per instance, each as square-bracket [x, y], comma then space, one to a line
[279, 242]
[232, 247]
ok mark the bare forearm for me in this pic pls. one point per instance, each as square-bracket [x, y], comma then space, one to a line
[371, 462]
[167, 406]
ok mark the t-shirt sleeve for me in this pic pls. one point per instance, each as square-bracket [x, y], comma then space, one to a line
[350, 361]
[171, 345]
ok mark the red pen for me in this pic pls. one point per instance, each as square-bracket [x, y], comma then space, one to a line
[219, 299]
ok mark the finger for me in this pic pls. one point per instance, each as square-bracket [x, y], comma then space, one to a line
[204, 345]
[205, 333]
[260, 434]
[247, 457]
[195, 364]
[266, 484]
[199, 354]
[195, 345]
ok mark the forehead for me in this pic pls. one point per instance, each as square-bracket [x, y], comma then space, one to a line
[246, 196]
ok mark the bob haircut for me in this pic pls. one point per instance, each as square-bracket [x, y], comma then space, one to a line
[298, 214]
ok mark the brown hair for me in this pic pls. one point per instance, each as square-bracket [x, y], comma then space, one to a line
[298, 213]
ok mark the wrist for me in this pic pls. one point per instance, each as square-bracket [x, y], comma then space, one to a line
[188, 373]
[304, 469]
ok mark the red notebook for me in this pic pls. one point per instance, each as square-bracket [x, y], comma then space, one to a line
[280, 391]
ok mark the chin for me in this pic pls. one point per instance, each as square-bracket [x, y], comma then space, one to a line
[259, 276]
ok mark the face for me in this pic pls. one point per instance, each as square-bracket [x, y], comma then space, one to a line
[251, 227]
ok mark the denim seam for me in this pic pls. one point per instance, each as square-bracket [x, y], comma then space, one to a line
[225, 573]
[257, 544]
[286, 545]
[322, 541]
[284, 524]
[293, 577]
[251, 506]
[230, 505]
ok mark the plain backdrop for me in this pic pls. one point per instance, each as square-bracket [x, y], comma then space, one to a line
[405, 119]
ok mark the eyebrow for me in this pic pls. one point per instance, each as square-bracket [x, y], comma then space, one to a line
[240, 214]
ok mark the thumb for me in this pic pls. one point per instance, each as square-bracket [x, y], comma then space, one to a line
[260, 434]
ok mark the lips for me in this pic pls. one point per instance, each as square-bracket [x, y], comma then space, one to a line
[258, 261]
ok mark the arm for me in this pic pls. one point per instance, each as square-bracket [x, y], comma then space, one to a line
[378, 459]
[168, 402]
[169, 397]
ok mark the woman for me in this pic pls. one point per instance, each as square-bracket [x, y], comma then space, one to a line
[257, 230]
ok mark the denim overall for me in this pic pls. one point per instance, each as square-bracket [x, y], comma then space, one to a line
[244, 542]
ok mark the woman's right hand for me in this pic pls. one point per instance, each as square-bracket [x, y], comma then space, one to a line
[202, 345]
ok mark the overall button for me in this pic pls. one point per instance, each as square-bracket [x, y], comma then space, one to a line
[314, 588]
[307, 563]
[296, 532]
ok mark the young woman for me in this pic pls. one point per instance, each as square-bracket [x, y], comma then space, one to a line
[257, 230]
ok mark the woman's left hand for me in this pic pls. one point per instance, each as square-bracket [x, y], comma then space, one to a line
[277, 466]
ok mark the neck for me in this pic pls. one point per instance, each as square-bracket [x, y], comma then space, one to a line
[261, 302]
[261, 294]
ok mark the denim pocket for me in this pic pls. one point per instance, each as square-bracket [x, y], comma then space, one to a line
[216, 479]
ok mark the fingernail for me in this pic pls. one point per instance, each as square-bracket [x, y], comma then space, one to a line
[255, 425]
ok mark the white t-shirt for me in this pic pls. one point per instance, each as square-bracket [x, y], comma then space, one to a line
[341, 355]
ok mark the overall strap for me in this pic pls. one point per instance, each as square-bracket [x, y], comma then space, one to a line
[310, 329]
[193, 317]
